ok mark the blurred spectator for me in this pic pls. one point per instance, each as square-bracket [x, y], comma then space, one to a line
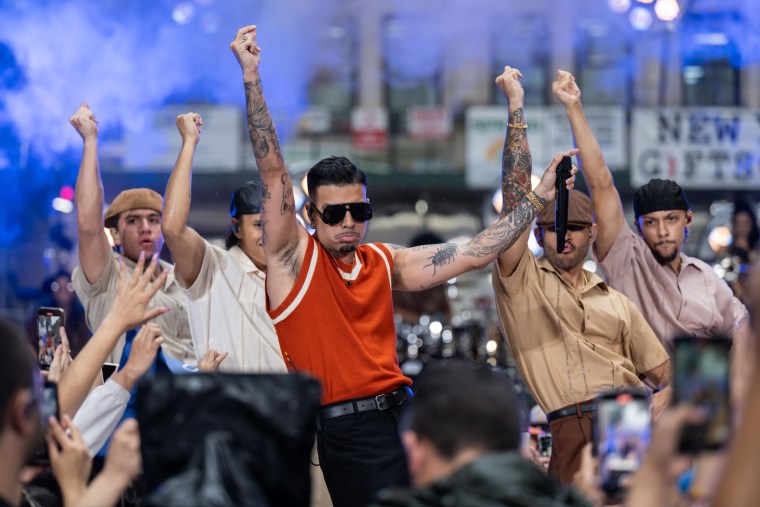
[433, 301]
[57, 291]
[745, 232]
[461, 434]
[21, 425]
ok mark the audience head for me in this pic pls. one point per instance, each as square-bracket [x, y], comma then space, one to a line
[460, 411]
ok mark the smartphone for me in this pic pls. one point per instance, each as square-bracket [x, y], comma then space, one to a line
[49, 324]
[701, 372]
[47, 404]
[622, 432]
[544, 447]
[108, 370]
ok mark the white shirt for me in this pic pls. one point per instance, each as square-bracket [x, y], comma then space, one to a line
[100, 413]
[227, 312]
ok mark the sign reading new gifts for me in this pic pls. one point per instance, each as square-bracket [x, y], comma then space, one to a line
[548, 134]
[698, 147]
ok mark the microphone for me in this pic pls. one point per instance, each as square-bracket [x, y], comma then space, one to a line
[562, 201]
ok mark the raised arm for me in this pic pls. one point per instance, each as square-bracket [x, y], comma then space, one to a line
[608, 210]
[186, 245]
[283, 238]
[128, 311]
[94, 249]
[425, 266]
[516, 163]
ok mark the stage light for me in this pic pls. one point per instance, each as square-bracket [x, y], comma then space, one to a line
[667, 10]
[66, 193]
[719, 238]
[183, 13]
[619, 5]
[640, 18]
[63, 205]
[645, 1]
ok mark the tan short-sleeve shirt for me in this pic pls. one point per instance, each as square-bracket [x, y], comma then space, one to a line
[97, 299]
[570, 346]
[695, 301]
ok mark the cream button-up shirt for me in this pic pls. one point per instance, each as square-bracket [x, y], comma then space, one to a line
[98, 297]
[226, 307]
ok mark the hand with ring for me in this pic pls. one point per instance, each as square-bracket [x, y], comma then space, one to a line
[247, 51]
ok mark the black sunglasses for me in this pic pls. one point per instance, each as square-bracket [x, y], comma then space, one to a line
[333, 214]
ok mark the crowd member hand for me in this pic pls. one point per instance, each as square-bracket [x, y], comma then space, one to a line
[531, 453]
[124, 462]
[586, 479]
[509, 83]
[135, 291]
[565, 89]
[85, 123]
[189, 126]
[211, 361]
[545, 188]
[655, 482]
[61, 359]
[245, 49]
[660, 401]
[141, 356]
[69, 458]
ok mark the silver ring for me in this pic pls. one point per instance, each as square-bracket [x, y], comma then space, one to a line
[245, 38]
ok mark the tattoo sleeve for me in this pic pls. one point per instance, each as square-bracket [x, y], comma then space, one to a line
[260, 126]
[500, 236]
[516, 164]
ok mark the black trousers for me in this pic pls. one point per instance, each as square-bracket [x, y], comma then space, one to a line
[360, 454]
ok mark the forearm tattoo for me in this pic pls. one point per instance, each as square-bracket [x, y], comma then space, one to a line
[260, 126]
[516, 164]
[500, 236]
[288, 204]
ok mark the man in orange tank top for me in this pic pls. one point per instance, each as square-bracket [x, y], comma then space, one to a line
[329, 296]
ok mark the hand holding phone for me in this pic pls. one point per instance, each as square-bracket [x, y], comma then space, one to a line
[622, 432]
[49, 323]
[47, 404]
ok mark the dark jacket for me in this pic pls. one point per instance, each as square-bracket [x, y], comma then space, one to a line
[498, 479]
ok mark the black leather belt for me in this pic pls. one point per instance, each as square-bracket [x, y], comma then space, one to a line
[577, 409]
[379, 402]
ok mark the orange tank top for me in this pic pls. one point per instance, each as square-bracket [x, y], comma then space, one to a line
[342, 333]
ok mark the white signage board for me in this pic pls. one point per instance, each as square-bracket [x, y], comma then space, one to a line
[699, 147]
[548, 134]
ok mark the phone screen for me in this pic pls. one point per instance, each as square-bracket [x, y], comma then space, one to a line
[49, 323]
[48, 406]
[622, 436]
[701, 378]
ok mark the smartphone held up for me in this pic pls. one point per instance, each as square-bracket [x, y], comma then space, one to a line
[622, 432]
[49, 323]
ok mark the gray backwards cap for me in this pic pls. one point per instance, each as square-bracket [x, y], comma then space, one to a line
[246, 199]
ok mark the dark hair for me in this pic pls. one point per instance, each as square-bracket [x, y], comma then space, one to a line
[16, 364]
[754, 233]
[459, 404]
[113, 222]
[230, 239]
[338, 171]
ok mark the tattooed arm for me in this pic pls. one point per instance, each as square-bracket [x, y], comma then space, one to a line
[516, 164]
[186, 245]
[608, 210]
[423, 267]
[284, 239]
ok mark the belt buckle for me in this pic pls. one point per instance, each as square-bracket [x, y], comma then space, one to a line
[381, 403]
